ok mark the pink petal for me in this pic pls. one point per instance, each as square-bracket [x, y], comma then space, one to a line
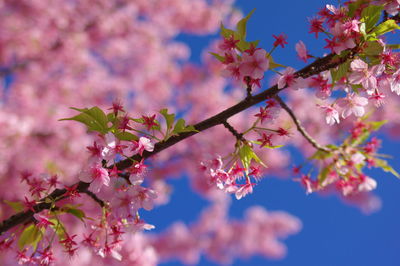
[358, 65]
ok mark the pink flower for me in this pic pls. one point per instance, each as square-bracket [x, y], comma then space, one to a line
[143, 198]
[302, 51]
[287, 79]
[46, 257]
[149, 121]
[316, 26]
[228, 43]
[280, 40]
[232, 70]
[254, 65]
[362, 75]
[97, 176]
[145, 144]
[136, 173]
[117, 107]
[345, 187]
[220, 178]
[367, 184]
[309, 184]
[377, 98]
[42, 219]
[395, 82]
[263, 114]
[139, 146]
[357, 158]
[244, 190]
[351, 26]
[266, 140]
[332, 115]
[353, 104]
[110, 150]
[343, 37]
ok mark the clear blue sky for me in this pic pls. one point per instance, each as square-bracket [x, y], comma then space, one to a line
[333, 233]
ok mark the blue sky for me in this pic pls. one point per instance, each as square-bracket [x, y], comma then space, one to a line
[333, 233]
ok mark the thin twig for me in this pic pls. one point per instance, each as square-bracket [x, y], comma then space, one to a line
[300, 128]
[95, 198]
[239, 136]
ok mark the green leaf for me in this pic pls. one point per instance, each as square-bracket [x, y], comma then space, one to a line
[363, 30]
[58, 227]
[218, 57]
[370, 15]
[180, 127]
[353, 7]
[387, 26]
[30, 236]
[169, 118]
[361, 138]
[320, 155]
[111, 117]
[272, 63]
[241, 26]
[340, 72]
[247, 154]
[94, 118]
[386, 167]
[226, 33]
[373, 48]
[141, 121]
[243, 45]
[376, 125]
[137, 120]
[393, 46]
[76, 212]
[125, 136]
[266, 146]
[331, 146]
[17, 206]
[273, 147]
[323, 174]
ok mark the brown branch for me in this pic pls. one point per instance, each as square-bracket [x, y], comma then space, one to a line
[318, 66]
[25, 216]
[94, 197]
[237, 135]
[300, 128]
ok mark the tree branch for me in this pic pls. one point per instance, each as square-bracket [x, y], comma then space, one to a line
[300, 128]
[94, 197]
[318, 66]
[238, 136]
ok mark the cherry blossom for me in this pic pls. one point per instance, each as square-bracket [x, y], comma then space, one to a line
[287, 79]
[280, 40]
[254, 65]
[228, 43]
[143, 198]
[244, 190]
[367, 184]
[395, 82]
[332, 115]
[302, 51]
[42, 219]
[97, 176]
[365, 76]
[145, 144]
[353, 104]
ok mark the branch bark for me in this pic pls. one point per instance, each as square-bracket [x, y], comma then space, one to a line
[300, 128]
[318, 66]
